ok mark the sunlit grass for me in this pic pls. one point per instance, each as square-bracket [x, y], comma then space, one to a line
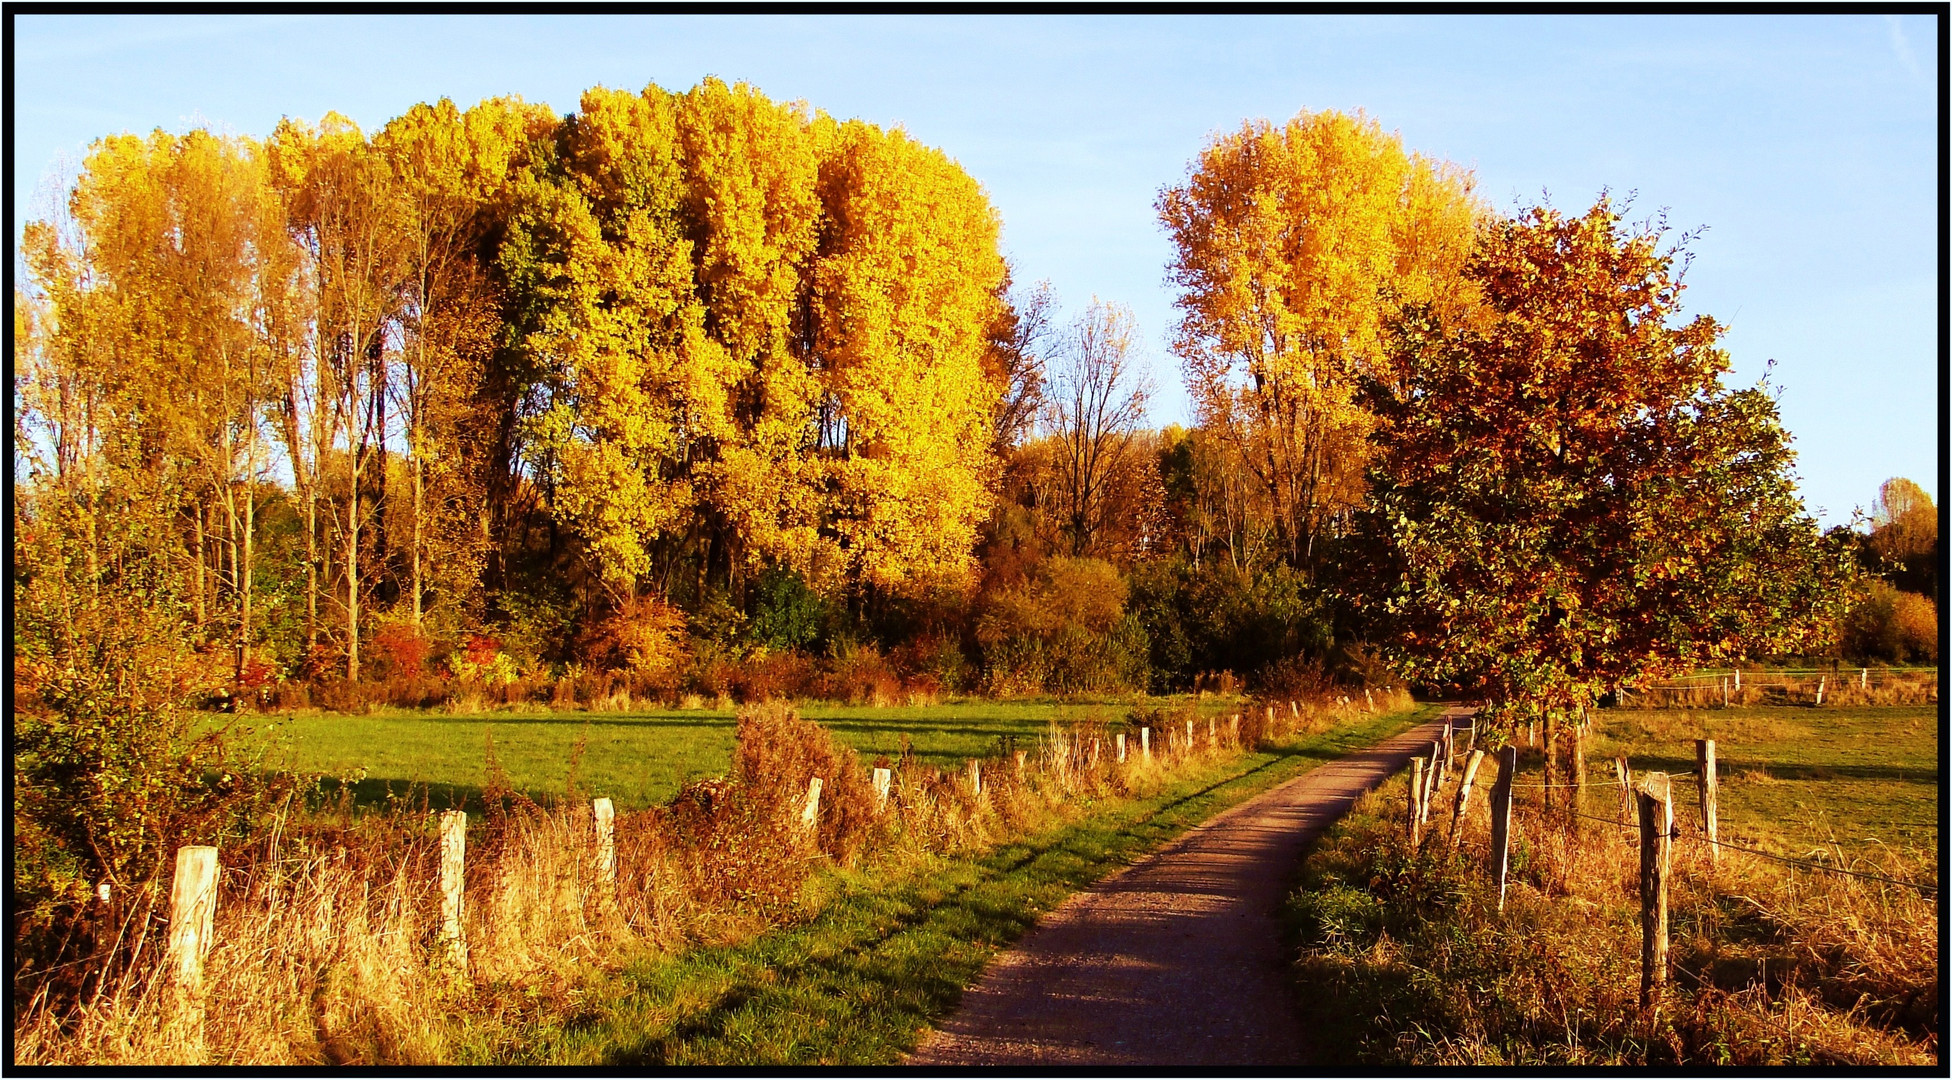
[1794, 779]
[890, 953]
[638, 758]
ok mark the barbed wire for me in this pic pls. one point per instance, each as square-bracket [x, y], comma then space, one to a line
[1677, 834]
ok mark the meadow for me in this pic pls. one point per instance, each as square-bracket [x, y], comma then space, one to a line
[638, 758]
[1795, 780]
[1410, 958]
[725, 930]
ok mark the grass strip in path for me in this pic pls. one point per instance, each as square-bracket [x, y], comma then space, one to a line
[857, 983]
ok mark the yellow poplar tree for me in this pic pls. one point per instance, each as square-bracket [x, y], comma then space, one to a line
[1293, 243]
[753, 215]
[905, 291]
[616, 327]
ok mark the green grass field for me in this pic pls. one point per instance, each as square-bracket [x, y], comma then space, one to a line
[637, 758]
[887, 956]
[1795, 780]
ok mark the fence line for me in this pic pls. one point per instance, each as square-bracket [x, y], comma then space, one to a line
[1923, 887]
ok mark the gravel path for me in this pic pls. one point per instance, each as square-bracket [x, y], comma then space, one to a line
[1175, 960]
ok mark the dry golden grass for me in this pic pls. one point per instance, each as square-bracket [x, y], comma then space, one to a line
[1770, 964]
[327, 929]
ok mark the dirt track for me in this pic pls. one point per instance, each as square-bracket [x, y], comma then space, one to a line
[1175, 960]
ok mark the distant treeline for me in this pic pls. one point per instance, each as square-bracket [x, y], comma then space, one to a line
[681, 382]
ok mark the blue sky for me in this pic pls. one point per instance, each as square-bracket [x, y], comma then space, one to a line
[1804, 143]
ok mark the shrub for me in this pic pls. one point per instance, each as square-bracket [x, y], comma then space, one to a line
[1888, 624]
[644, 636]
[400, 651]
[784, 612]
[1064, 630]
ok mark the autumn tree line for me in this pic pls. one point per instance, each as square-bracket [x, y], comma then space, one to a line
[724, 396]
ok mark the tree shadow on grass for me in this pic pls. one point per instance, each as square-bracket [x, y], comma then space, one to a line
[875, 967]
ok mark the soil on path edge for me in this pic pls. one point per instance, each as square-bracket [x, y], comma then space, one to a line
[1175, 960]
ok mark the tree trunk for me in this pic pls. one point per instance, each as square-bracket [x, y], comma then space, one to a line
[352, 569]
[1553, 773]
[311, 569]
[418, 536]
[201, 613]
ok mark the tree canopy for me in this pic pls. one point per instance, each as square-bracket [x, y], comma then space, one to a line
[1564, 495]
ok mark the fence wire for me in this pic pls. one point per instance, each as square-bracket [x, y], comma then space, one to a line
[1930, 890]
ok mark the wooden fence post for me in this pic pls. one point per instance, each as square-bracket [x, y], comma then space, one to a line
[1463, 797]
[1145, 741]
[1119, 739]
[1864, 679]
[1724, 691]
[1415, 798]
[454, 857]
[1471, 736]
[1738, 680]
[1431, 777]
[604, 815]
[1213, 733]
[1704, 768]
[884, 779]
[1371, 700]
[1450, 750]
[1625, 777]
[975, 777]
[1294, 712]
[811, 814]
[1656, 836]
[1821, 680]
[1578, 764]
[1233, 729]
[1501, 819]
[192, 916]
[1189, 736]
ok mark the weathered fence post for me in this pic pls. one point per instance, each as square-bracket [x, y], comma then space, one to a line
[1450, 749]
[884, 779]
[192, 915]
[1724, 691]
[1415, 799]
[1463, 797]
[1212, 733]
[1738, 680]
[1431, 778]
[454, 856]
[603, 814]
[1371, 700]
[1189, 736]
[1145, 742]
[1625, 776]
[975, 777]
[1119, 740]
[192, 923]
[1704, 768]
[1294, 712]
[1864, 679]
[1578, 768]
[1501, 819]
[1233, 729]
[1821, 680]
[1656, 836]
[811, 814]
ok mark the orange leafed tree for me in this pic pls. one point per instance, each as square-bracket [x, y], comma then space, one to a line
[1293, 243]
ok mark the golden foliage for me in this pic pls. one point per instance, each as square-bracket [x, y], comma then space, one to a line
[1294, 243]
